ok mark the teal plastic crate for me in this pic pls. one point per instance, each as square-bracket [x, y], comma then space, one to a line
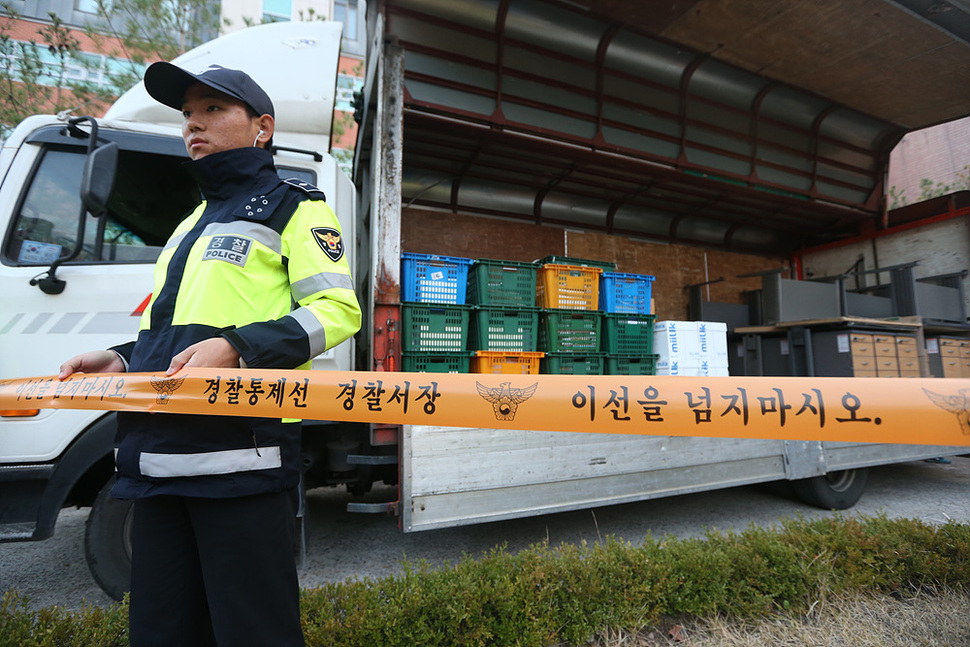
[427, 278]
[435, 362]
[572, 364]
[570, 331]
[628, 334]
[504, 329]
[628, 293]
[502, 283]
[430, 327]
[631, 364]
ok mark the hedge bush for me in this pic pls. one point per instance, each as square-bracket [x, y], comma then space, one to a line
[565, 595]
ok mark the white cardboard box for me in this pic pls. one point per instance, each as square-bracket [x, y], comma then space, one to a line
[703, 369]
[713, 369]
[712, 337]
[676, 340]
[676, 367]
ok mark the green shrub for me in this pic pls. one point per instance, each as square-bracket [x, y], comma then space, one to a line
[52, 626]
[548, 595]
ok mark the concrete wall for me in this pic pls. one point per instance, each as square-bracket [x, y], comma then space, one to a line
[940, 248]
[939, 153]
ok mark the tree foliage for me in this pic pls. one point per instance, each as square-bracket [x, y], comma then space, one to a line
[139, 32]
[123, 37]
[930, 189]
[34, 74]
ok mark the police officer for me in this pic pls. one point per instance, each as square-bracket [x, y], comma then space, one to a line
[255, 276]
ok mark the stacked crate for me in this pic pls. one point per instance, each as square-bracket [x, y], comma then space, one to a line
[628, 329]
[434, 314]
[570, 323]
[594, 320]
[504, 330]
[558, 315]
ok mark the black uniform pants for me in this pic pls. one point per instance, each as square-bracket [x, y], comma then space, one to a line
[214, 572]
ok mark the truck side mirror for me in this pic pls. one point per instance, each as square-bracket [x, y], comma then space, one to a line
[97, 181]
[98, 178]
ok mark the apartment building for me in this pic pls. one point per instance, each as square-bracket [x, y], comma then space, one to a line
[77, 15]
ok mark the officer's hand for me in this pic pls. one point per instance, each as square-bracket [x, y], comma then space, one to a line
[96, 361]
[210, 353]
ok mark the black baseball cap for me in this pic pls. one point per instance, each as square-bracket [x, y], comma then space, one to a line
[167, 83]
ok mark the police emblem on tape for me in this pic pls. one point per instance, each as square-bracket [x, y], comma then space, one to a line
[231, 249]
[956, 404]
[505, 400]
[330, 242]
[165, 387]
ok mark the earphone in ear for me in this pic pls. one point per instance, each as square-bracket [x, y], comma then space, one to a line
[260, 134]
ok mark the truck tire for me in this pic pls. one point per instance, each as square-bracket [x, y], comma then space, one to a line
[833, 491]
[107, 542]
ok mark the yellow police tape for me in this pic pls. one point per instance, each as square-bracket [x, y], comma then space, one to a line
[902, 410]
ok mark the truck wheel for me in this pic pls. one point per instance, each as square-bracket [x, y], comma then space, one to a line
[107, 542]
[833, 491]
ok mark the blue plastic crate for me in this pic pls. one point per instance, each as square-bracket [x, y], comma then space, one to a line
[427, 278]
[629, 293]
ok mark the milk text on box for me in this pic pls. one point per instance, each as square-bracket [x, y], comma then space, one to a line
[677, 340]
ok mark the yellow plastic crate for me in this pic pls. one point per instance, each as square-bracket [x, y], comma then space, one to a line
[487, 361]
[573, 287]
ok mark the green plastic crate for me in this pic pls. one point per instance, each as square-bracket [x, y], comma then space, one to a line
[435, 362]
[631, 364]
[570, 331]
[628, 334]
[606, 266]
[502, 283]
[432, 327]
[504, 329]
[572, 364]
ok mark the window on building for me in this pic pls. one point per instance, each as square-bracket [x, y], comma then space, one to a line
[345, 11]
[89, 6]
[277, 10]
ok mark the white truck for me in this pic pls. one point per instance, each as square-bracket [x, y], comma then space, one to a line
[73, 279]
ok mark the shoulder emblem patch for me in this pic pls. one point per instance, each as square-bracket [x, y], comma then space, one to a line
[330, 242]
[311, 191]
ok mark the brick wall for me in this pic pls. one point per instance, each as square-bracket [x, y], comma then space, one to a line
[675, 266]
[938, 153]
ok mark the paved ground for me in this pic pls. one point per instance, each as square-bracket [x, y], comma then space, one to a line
[342, 545]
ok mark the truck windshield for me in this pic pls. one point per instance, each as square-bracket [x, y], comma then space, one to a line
[152, 194]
